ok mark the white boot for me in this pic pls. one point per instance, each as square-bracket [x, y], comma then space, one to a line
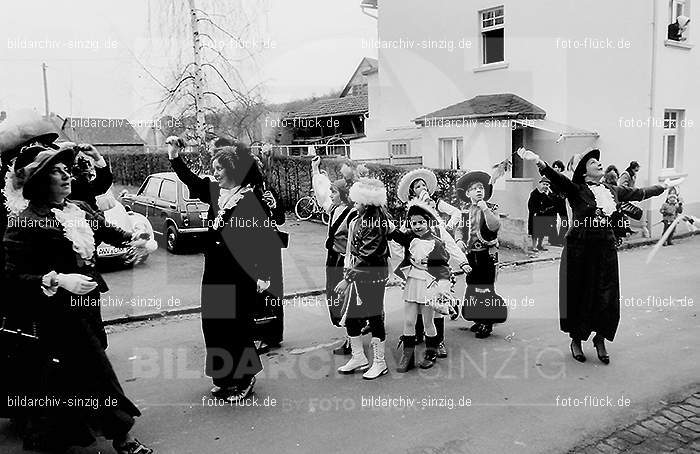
[378, 363]
[358, 360]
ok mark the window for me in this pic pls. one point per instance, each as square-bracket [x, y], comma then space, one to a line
[451, 153]
[152, 187]
[168, 191]
[399, 149]
[673, 129]
[492, 42]
[678, 30]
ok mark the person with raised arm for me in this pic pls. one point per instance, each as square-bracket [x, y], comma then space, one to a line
[235, 268]
[589, 281]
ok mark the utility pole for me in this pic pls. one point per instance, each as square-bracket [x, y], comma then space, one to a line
[46, 92]
[198, 77]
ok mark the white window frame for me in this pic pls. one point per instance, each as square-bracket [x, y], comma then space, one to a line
[406, 147]
[490, 27]
[685, 11]
[455, 163]
[672, 127]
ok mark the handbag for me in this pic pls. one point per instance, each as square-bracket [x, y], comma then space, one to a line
[440, 298]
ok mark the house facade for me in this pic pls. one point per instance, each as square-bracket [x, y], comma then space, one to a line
[575, 75]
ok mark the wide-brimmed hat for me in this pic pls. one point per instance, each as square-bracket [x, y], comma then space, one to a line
[368, 191]
[477, 176]
[23, 129]
[404, 187]
[579, 164]
[416, 207]
[34, 160]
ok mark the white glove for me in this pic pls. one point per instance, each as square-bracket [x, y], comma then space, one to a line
[527, 155]
[482, 205]
[263, 285]
[671, 183]
[175, 144]
[78, 284]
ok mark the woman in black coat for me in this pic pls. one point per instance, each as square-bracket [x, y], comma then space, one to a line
[270, 310]
[238, 239]
[50, 262]
[589, 283]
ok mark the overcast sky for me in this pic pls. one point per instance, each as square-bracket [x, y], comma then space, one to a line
[103, 62]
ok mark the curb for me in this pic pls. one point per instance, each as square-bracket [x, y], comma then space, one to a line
[314, 292]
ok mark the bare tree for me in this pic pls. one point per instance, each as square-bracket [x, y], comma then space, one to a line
[212, 47]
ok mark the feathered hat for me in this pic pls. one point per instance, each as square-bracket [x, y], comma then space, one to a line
[368, 191]
[406, 181]
[24, 128]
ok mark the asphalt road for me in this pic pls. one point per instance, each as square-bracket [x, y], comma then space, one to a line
[505, 394]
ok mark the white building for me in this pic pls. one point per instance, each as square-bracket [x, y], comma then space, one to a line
[454, 75]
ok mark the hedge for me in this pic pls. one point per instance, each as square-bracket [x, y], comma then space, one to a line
[290, 175]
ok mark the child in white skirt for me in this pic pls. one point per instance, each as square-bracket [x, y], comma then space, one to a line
[427, 251]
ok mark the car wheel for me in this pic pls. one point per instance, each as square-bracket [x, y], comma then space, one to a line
[172, 240]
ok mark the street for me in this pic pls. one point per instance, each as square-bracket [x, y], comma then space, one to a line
[517, 391]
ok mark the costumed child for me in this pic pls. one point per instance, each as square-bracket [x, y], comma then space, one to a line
[366, 272]
[333, 197]
[670, 210]
[426, 269]
[421, 184]
[478, 238]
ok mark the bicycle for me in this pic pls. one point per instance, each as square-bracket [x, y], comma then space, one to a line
[307, 207]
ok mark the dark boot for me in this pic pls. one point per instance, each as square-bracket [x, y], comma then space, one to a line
[408, 357]
[420, 331]
[344, 349]
[440, 326]
[430, 356]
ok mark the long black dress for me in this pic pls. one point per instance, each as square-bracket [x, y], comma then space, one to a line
[589, 282]
[271, 315]
[234, 259]
[70, 360]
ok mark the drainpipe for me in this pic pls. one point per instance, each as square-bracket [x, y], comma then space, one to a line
[652, 106]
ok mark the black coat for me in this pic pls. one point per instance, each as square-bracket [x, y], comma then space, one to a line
[70, 327]
[543, 206]
[234, 259]
[589, 282]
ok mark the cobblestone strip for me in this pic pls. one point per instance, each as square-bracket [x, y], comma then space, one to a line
[673, 429]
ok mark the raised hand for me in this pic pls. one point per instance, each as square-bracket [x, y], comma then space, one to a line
[175, 145]
[527, 155]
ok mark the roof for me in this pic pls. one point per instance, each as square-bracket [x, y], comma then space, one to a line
[368, 64]
[334, 107]
[564, 131]
[98, 131]
[487, 106]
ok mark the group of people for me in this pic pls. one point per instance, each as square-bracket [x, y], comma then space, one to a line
[53, 260]
[51, 348]
[357, 266]
[549, 212]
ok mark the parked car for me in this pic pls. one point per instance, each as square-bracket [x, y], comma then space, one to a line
[110, 257]
[166, 202]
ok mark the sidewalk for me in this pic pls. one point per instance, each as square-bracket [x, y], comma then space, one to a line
[675, 428]
[304, 272]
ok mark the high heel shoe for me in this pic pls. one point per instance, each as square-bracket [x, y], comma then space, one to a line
[605, 359]
[581, 358]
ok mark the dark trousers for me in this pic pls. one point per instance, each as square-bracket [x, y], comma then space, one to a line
[376, 326]
[334, 274]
